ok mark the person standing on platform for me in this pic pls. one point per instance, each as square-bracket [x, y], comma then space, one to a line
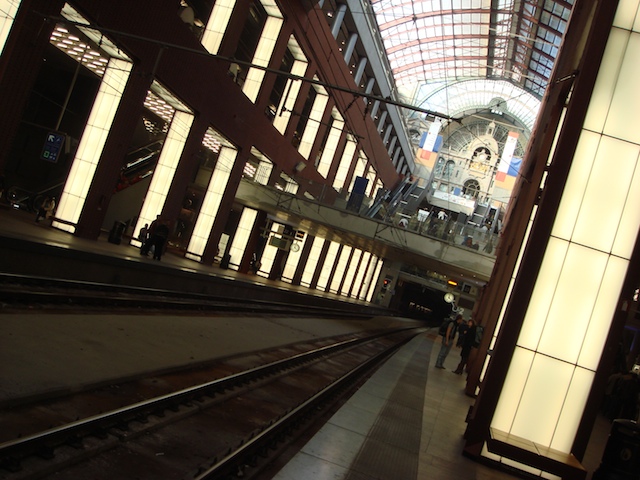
[159, 239]
[46, 209]
[143, 235]
[468, 341]
[447, 341]
[144, 250]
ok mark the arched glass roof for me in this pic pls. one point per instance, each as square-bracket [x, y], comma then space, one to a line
[433, 45]
[499, 96]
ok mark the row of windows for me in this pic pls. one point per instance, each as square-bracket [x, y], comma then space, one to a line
[258, 40]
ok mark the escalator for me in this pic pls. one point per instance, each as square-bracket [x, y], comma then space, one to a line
[139, 164]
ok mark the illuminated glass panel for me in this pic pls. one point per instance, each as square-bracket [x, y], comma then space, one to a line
[579, 283]
[269, 253]
[263, 54]
[312, 261]
[359, 279]
[241, 237]
[293, 258]
[345, 163]
[327, 266]
[332, 143]
[361, 166]
[370, 267]
[371, 176]
[165, 168]
[8, 9]
[340, 269]
[350, 273]
[313, 124]
[292, 89]
[217, 25]
[92, 142]
[374, 275]
[211, 202]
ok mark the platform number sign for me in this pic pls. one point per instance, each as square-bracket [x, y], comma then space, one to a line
[52, 147]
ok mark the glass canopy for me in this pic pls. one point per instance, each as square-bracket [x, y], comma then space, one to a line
[434, 45]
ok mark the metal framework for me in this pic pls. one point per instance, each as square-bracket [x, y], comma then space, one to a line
[435, 44]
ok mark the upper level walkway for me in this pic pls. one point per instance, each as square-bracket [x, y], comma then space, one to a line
[432, 245]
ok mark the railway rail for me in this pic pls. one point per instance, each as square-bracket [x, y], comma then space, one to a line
[246, 414]
[19, 292]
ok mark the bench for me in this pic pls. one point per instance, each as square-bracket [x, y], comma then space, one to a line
[529, 453]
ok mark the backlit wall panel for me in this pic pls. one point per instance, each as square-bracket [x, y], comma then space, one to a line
[359, 170]
[292, 89]
[165, 168]
[327, 266]
[262, 56]
[579, 283]
[91, 144]
[313, 123]
[211, 203]
[374, 279]
[345, 163]
[8, 9]
[350, 272]
[269, 252]
[340, 269]
[332, 143]
[241, 237]
[312, 261]
[370, 265]
[217, 25]
[359, 280]
[290, 266]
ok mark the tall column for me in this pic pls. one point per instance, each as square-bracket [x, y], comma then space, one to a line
[350, 47]
[570, 294]
[115, 149]
[189, 163]
[360, 71]
[230, 189]
[87, 157]
[338, 18]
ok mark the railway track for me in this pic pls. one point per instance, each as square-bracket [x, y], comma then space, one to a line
[21, 292]
[229, 420]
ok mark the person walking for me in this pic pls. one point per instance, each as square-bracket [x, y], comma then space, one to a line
[146, 246]
[468, 341]
[46, 209]
[447, 341]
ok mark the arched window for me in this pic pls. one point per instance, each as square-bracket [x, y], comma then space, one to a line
[471, 188]
[448, 169]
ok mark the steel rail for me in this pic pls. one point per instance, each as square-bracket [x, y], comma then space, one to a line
[82, 291]
[58, 435]
[234, 460]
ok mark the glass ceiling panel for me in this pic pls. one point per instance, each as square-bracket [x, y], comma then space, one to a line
[439, 43]
[477, 95]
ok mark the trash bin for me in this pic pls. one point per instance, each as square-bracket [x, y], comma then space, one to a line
[621, 457]
[115, 235]
[224, 263]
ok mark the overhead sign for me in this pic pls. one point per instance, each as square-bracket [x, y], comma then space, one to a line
[52, 147]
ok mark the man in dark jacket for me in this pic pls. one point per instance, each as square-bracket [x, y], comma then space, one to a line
[468, 342]
[447, 341]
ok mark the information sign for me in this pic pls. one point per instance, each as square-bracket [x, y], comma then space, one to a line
[52, 147]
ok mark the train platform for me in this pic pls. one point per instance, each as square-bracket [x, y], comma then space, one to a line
[37, 249]
[406, 422]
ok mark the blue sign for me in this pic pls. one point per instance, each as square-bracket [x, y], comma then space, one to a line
[52, 147]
